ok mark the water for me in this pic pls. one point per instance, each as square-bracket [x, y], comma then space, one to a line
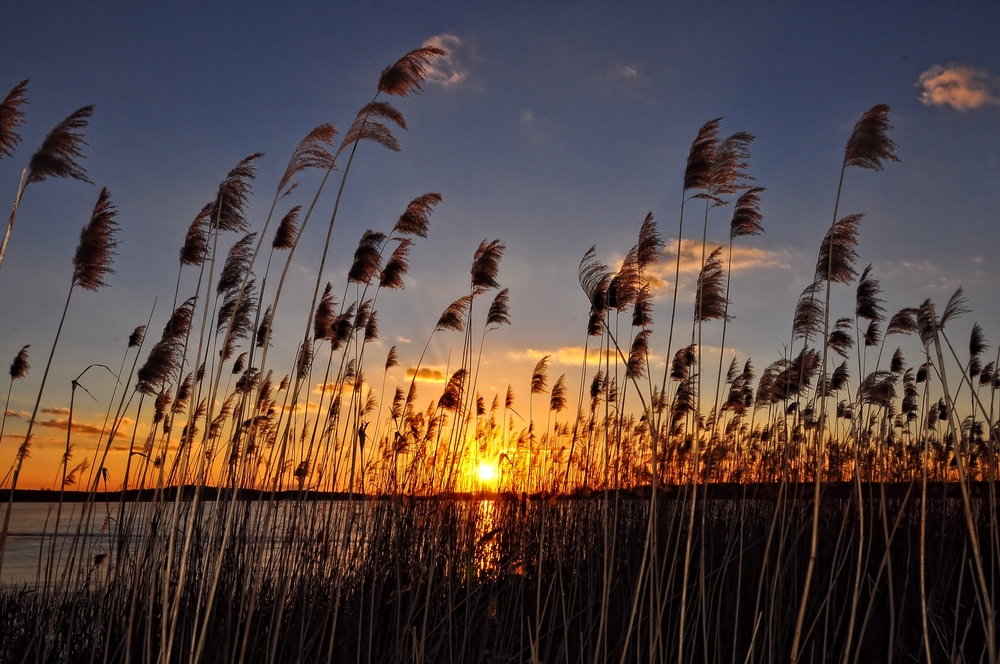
[30, 536]
[30, 554]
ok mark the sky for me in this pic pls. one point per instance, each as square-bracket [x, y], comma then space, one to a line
[552, 128]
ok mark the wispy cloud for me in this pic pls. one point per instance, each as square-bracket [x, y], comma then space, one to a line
[56, 411]
[427, 374]
[63, 424]
[963, 87]
[744, 258]
[570, 355]
[446, 71]
[627, 71]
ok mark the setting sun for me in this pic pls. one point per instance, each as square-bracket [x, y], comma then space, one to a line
[486, 472]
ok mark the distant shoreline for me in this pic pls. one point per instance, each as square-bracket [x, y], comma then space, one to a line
[831, 490]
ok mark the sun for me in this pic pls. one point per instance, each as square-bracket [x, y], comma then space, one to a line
[486, 472]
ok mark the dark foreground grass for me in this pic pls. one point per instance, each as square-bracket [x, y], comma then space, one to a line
[520, 580]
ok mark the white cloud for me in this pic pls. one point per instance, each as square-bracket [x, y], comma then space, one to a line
[744, 258]
[446, 71]
[962, 87]
[628, 71]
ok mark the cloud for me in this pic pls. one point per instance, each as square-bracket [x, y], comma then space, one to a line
[63, 424]
[403, 340]
[427, 374]
[56, 411]
[661, 274]
[628, 71]
[11, 413]
[570, 355]
[447, 70]
[962, 87]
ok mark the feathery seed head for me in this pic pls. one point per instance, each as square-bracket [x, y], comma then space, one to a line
[19, 367]
[228, 211]
[313, 152]
[415, 219]
[702, 156]
[407, 73]
[12, 117]
[96, 250]
[61, 149]
[746, 216]
[287, 231]
[869, 146]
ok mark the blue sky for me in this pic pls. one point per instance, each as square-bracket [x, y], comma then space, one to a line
[551, 128]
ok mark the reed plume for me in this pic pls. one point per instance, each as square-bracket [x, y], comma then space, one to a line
[183, 394]
[642, 309]
[594, 277]
[868, 304]
[19, 367]
[195, 247]
[304, 361]
[486, 265]
[12, 117]
[406, 74]
[747, 218]
[94, 254]
[636, 366]
[165, 357]
[391, 360]
[684, 359]
[397, 266]
[872, 334]
[61, 149]
[869, 146]
[229, 208]
[837, 252]
[371, 327]
[415, 219]
[625, 284]
[368, 125]
[557, 398]
[264, 329]
[452, 397]
[237, 312]
[499, 311]
[903, 321]
[235, 267]
[840, 340]
[727, 173]
[323, 321]
[314, 151]
[697, 173]
[367, 258]
[649, 245]
[287, 231]
[453, 318]
[136, 338]
[538, 376]
[711, 302]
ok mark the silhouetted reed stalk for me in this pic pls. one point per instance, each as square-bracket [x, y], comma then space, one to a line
[868, 147]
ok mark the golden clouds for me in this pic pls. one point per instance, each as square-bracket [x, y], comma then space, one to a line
[962, 87]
